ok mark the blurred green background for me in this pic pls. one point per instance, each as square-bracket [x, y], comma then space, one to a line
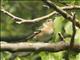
[30, 9]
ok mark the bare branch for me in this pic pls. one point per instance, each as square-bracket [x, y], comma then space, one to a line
[61, 36]
[62, 12]
[74, 31]
[70, 7]
[20, 20]
[52, 47]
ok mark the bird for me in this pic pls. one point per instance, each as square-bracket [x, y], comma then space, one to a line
[43, 34]
[46, 31]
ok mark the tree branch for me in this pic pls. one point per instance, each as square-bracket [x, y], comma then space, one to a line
[62, 12]
[52, 47]
[74, 31]
[20, 20]
[70, 7]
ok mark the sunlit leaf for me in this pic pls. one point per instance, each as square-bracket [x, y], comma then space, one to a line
[68, 28]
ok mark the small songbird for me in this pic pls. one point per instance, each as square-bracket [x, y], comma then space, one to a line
[45, 34]
[46, 31]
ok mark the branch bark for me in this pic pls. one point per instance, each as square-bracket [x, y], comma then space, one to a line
[51, 47]
[62, 12]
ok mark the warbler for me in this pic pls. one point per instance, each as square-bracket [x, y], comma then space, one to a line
[46, 31]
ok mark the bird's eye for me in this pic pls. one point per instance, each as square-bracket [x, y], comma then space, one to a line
[49, 20]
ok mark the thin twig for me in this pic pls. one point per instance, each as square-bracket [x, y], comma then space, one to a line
[61, 36]
[74, 31]
[20, 20]
[70, 7]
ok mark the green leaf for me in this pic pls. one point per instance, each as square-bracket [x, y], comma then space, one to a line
[77, 36]
[68, 28]
[78, 56]
[46, 56]
[58, 26]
